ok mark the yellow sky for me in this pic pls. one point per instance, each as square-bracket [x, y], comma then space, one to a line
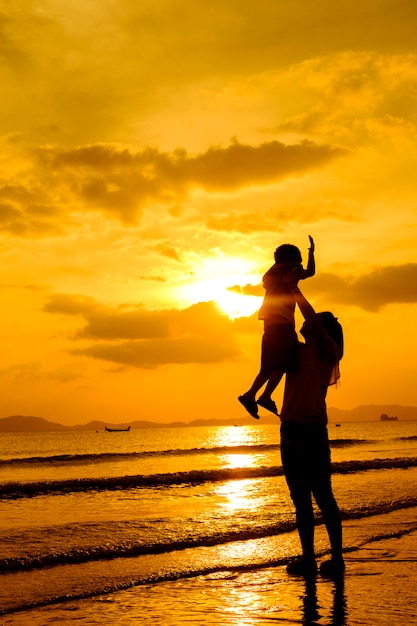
[154, 154]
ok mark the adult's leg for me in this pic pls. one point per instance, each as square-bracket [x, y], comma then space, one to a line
[296, 474]
[305, 523]
[321, 487]
[331, 516]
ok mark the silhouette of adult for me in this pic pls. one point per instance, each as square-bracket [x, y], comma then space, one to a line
[305, 449]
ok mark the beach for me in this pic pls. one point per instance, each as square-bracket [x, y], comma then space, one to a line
[378, 589]
[207, 539]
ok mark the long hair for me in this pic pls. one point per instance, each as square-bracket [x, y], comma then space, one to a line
[334, 329]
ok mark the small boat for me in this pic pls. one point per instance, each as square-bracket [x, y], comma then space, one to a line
[117, 430]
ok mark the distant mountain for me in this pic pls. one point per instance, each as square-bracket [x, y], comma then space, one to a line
[364, 413]
[29, 423]
[372, 412]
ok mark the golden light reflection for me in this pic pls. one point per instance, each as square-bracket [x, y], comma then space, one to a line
[236, 436]
[232, 437]
[236, 495]
[238, 460]
[243, 601]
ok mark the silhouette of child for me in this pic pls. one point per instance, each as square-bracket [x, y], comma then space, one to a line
[279, 351]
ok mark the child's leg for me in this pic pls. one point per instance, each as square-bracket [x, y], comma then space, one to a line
[268, 355]
[273, 382]
[265, 399]
[259, 382]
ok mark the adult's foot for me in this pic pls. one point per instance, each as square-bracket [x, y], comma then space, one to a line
[333, 568]
[250, 406]
[302, 567]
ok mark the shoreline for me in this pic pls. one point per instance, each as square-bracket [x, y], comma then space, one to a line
[380, 554]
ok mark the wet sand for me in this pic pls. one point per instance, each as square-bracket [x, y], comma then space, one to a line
[378, 589]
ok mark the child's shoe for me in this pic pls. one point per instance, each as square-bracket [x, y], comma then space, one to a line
[250, 406]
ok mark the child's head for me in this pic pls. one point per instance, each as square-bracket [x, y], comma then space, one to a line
[287, 253]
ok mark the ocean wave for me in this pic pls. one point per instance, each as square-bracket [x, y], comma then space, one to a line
[193, 477]
[346, 443]
[109, 551]
[68, 459]
[105, 457]
[15, 490]
[410, 438]
[120, 579]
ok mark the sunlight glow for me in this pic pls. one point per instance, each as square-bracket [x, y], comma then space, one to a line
[236, 305]
[216, 277]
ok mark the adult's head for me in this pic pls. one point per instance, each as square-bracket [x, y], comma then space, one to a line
[287, 253]
[333, 328]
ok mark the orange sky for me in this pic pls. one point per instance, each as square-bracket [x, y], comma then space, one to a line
[154, 154]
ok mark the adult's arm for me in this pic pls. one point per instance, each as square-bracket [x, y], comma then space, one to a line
[325, 344]
[304, 305]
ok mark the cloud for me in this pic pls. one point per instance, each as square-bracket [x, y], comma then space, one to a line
[358, 97]
[151, 353]
[395, 284]
[106, 323]
[155, 279]
[28, 211]
[69, 304]
[248, 290]
[372, 291]
[201, 39]
[168, 251]
[36, 371]
[99, 69]
[140, 338]
[49, 195]
[277, 214]
[159, 174]
[121, 183]
[239, 165]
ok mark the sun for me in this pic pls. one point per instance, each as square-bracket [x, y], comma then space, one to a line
[218, 279]
[236, 305]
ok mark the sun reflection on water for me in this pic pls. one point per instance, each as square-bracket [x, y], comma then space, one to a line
[237, 494]
[232, 440]
[230, 437]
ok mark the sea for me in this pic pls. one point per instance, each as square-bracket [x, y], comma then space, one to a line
[88, 515]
